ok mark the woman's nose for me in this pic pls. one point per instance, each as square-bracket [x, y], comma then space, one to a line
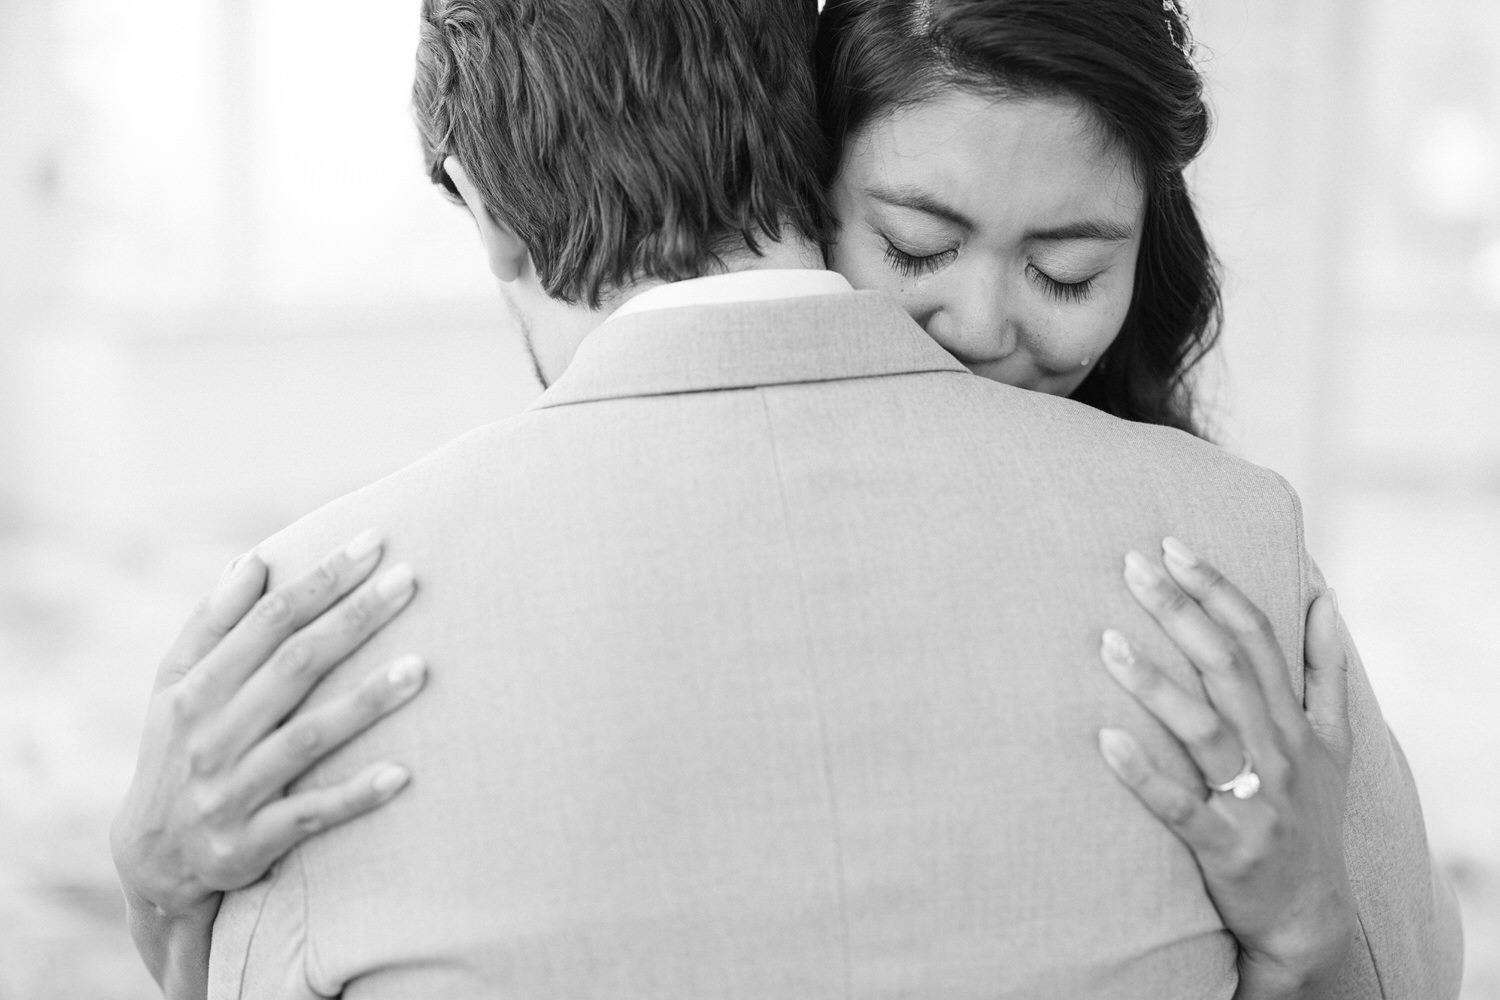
[977, 330]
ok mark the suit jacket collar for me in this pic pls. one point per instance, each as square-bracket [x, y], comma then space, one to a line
[750, 285]
[743, 345]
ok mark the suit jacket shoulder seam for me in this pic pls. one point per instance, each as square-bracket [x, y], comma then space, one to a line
[833, 812]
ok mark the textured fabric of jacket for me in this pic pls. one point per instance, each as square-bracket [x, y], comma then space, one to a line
[764, 655]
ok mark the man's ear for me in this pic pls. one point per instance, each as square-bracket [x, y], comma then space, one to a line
[507, 252]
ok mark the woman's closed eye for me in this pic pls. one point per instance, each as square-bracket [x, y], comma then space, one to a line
[911, 265]
[1066, 291]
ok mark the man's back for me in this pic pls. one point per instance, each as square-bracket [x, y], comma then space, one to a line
[765, 665]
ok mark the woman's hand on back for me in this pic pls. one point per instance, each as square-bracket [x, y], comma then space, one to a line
[1266, 823]
[206, 810]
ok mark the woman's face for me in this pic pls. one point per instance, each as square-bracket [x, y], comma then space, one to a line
[1007, 227]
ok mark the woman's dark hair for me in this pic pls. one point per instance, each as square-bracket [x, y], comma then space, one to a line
[1127, 61]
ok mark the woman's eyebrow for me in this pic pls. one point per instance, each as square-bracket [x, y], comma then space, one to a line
[1091, 229]
[920, 201]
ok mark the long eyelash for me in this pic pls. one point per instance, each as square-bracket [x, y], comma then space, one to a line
[1075, 292]
[910, 265]
[1067, 291]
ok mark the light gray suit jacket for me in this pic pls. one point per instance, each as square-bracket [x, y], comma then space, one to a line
[765, 666]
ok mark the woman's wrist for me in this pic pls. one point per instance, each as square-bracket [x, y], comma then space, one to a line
[158, 889]
[174, 946]
[1306, 966]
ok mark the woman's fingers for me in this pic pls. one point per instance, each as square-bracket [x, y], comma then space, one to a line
[1270, 853]
[1326, 691]
[305, 658]
[311, 734]
[241, 584]
[1237, 615]
[203, 811]
[1182, 810]
[278, 614]
[1218, 656]
[285, 823]
[1196, 725]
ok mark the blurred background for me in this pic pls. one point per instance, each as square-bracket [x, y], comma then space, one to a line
[228, 294]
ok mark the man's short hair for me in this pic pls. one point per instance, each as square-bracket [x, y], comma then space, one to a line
[627, 139]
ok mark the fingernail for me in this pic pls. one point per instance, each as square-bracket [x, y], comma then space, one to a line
[396, 582]
[1116, 649]
[406, 674]
[232, 568]
[1178, 554]
[390, 780]
[1139, 571]
[1116, 748]
[365, 544]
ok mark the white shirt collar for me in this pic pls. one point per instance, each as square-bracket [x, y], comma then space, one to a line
[737, 286]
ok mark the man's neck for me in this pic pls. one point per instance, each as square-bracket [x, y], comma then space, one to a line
[794, 254]
[568, 326]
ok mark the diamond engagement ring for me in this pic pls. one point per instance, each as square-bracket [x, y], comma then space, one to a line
[1242, 785]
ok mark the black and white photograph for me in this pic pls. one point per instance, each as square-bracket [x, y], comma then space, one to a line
[749, 499]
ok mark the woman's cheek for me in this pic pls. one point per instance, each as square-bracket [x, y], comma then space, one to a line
[864, 267]
[1108, 316]
[1074, 337]
[1124, 293]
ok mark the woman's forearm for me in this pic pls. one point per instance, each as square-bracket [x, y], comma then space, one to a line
[174, 948]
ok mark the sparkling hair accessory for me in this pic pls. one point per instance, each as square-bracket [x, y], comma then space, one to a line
[1177, 29]
[921, 18]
